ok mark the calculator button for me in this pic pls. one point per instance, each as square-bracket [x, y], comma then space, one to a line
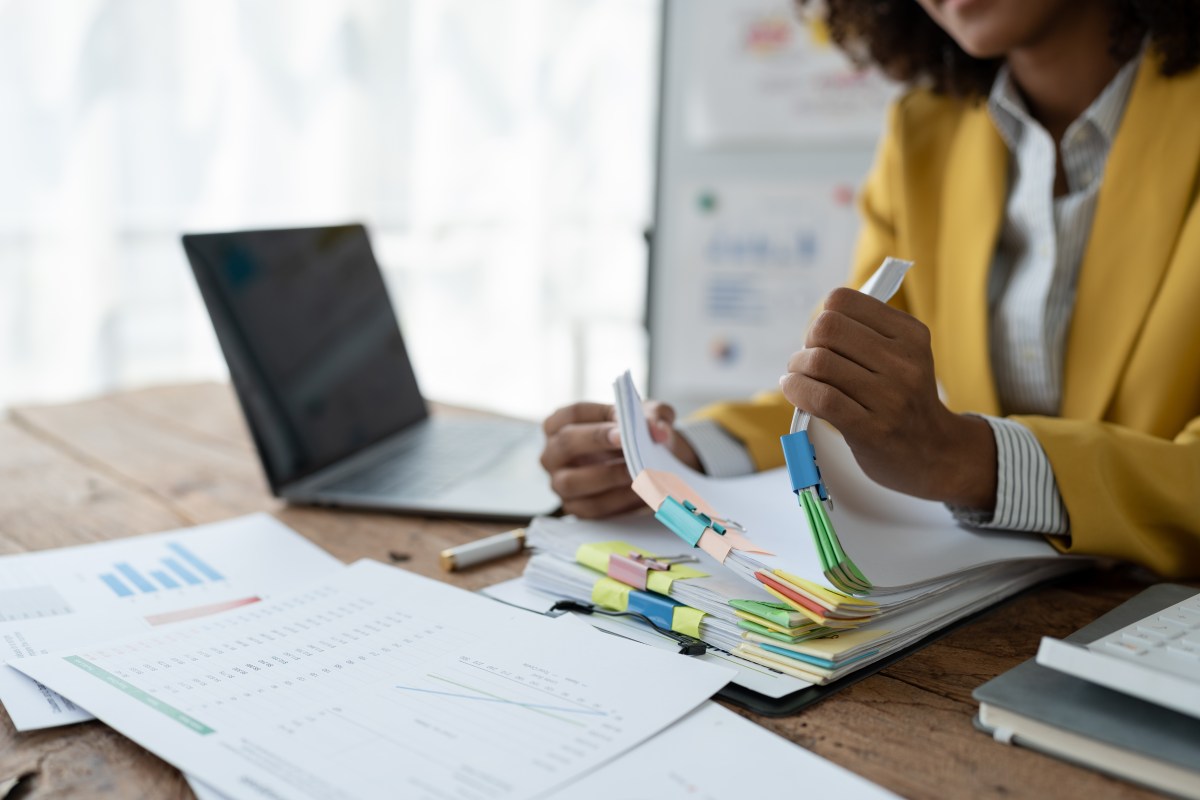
[1192, 639]
[1185, 619]
[1141, 637]
[1184, 646]
[1162, 629]
[1125, 647]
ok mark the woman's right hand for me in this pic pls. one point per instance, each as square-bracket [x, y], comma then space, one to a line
[583, 456]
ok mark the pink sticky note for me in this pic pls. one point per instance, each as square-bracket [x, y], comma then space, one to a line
[739, 542]
[653, 486]
[715, 545]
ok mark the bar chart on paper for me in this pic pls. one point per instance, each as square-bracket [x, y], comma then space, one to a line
[160, 573]
[77, 595]
[379, 683]
[170, 572]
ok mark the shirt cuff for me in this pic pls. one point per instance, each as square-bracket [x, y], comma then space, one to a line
[721, 455]
[1027, 497]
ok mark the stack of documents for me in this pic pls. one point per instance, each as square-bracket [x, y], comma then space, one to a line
[764, 593]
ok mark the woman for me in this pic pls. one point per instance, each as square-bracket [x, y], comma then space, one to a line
[1043, 174]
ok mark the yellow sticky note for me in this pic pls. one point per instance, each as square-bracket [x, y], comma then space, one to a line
[787, 666]
[836, 645]
[819, 619]
[610, 594]
[820, 593]
[594, 555]
[659, 581]
[686, 620]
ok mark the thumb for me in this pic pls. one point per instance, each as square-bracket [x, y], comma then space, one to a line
[661, 418]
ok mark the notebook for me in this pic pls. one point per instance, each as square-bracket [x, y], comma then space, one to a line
[1073, 719]
[324, 380]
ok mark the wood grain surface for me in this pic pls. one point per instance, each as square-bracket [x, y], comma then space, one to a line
[168, 457]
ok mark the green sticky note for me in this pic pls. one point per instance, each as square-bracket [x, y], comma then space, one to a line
[818, 530]
[754, 627]
[778, 613]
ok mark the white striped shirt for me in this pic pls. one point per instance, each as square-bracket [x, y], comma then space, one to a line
[1031, 288]
[1031, 297]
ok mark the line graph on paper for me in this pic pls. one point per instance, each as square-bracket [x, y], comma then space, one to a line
[518, 707]
[469, 692]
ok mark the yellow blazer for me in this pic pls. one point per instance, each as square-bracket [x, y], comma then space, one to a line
[1126, 448]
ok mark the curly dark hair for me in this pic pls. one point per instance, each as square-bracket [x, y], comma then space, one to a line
[899, 37]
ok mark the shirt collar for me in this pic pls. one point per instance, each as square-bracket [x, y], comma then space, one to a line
[1011, 116]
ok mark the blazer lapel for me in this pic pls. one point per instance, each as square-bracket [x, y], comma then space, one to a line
[1144, 197]
[976, 181]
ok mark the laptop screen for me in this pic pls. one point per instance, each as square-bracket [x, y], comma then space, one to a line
[311, 341]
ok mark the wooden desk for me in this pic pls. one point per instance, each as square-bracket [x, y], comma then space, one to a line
[163, 458]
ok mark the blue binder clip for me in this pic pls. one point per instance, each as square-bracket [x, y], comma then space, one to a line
[685, 520]
[802, 463]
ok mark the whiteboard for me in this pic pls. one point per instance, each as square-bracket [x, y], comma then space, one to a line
[765, 132]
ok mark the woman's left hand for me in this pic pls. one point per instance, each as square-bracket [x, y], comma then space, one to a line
[867, 369]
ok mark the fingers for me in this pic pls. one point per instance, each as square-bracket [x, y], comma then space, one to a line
[576, 442]
[618, 501]
[578, 413]
[583, 456]
[823, 400]
[867, 331]
[595, 490]
[661, 419]
[659, 411]
[848, 338]
[878, 316]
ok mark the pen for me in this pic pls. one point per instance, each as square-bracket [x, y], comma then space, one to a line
[485, 549]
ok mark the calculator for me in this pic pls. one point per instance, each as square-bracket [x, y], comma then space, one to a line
[1156, 658]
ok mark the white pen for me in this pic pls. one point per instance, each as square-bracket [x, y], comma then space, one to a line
[485, 549]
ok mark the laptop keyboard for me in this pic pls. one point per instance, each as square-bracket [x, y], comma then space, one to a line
[429, 463]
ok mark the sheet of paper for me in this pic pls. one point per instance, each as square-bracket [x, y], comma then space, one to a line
[674, 766]
[379, 683]
[895, 539]
[753, 762]
[76, 596]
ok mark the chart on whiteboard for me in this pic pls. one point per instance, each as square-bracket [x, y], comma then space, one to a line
[754, 260]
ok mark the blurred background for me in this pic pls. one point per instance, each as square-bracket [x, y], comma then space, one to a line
[500, 153]
[503, 155]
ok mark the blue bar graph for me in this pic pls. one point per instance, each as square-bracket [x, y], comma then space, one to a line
[135, 577]
[176, 571]
[177, 568]
[114, 583]
[200, 566]
[166, 580]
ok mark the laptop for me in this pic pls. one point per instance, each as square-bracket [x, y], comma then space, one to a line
[324, 380]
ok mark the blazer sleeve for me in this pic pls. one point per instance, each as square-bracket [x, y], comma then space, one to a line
[1130, 495]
